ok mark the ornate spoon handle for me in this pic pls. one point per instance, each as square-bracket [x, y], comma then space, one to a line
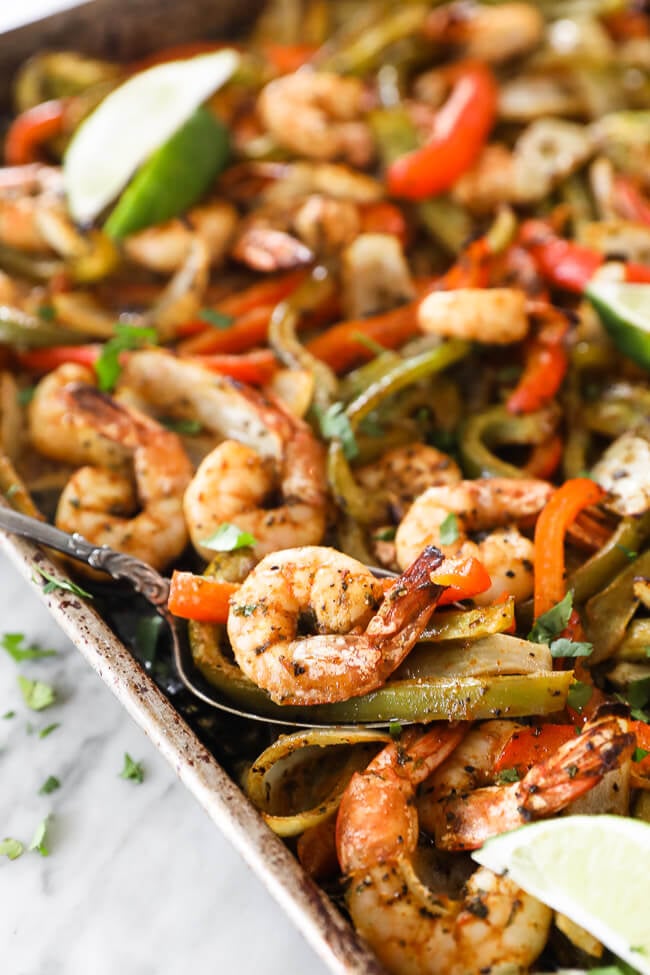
[142, 577]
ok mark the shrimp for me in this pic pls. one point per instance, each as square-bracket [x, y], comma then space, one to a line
[412, 929]
[318, 115]
[353, 646]
[28, 194]
[60, 432]
[495, 316]
[492, 34]
[164, 248]
[233, 481]
[403, 473]
[465, 821]
[92, 498]
[479, 505]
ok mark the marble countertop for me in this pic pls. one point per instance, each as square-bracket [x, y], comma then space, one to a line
[139, 880]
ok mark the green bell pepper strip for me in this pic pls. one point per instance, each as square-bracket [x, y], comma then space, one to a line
[469, 624]
[635, 642]
[350, 497]
[362, 53]
[609, 612]
[264, 789]
[285, 343]
[496, 427]
[24, 331]
[594, 575]
[617, 410]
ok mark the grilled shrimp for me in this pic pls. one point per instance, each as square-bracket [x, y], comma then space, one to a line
[356, 639]
[412, 929]
[479, 505]
[165, 247]
[99, 503]
[492, 34]
[58, 431]
[463, 821]
[402, 474]
[234, 480]
[318, 115]
[28, 196]
[495, 316]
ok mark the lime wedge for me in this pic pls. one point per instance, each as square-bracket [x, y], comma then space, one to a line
[624, 310]
[132, 122]
[594, 869]
[174, 178]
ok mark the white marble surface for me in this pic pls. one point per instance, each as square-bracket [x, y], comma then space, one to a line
[139, 881]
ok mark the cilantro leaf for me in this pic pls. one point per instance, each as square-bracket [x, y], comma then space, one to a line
[39, 839]
[51, 784]
[218, 319]
[570, 648]
[52, 583]
[630, 553]
[638, 692]
[107, 366]
[37, 695]
[46, 312]
[11, 848]
[246, 610]
[13, 643]
[395, 730]
[9, 714]
[132, 770]
[551, 623]
[508, 775]
[228, 538]
[385, 534]
[449, 530]
[335, 425]
[48, 729]
[579, 695]
[147, 633]
[639, 754]
[187, 428]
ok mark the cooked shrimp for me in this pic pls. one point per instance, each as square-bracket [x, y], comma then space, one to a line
[479, 505]
[99, 503]
[412, 929]
[355, 646]
[493, 34]
[60, 432]
[233, 482]
[28, 194]
[465, 821]
[165, 247]
[495, 316]
[402, 474]
[318, 115]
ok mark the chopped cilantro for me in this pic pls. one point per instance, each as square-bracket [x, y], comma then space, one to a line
[51, 784]
[449, 530]
[638, 693]
[218, 319]
[228, 538]
[630, 553]
[132, 770]
[48, 729]
[9, 714]
[570, 648]
[39, 840]
[46, 312]
[107, 366]
[508, 775]
[188, 428]
[13, 643]
[385, 534]
[147, 633]
[395, 729]
[25, 395]
[37, 695]
[11, 848]
[246, 610]
[579, 695]
[52, 583]
[639, 754]
[335, 425]
[551, 623]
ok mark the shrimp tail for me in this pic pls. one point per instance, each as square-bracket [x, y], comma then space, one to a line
[412, 597]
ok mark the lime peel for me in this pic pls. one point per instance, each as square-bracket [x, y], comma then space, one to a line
[624, 309]
[593, 869]
[132, 122]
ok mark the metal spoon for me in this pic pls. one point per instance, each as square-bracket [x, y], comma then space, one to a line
[155, 589]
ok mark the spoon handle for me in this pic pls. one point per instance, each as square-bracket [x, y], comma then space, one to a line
[142, 577]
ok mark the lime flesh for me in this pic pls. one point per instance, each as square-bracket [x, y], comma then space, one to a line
[624, 310]
[594, 869]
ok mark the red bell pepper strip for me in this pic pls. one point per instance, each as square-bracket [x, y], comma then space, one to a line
[31, 129]
[463, 578]
[629, 202]
[256, 368]
[287, 58]
[341, 348]
[460, 130]
[545, 458]
[569, 265]
[44, 360]
[246, 332]
[529, 746]
[200, 598]
[545, 369]
[560, 511]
